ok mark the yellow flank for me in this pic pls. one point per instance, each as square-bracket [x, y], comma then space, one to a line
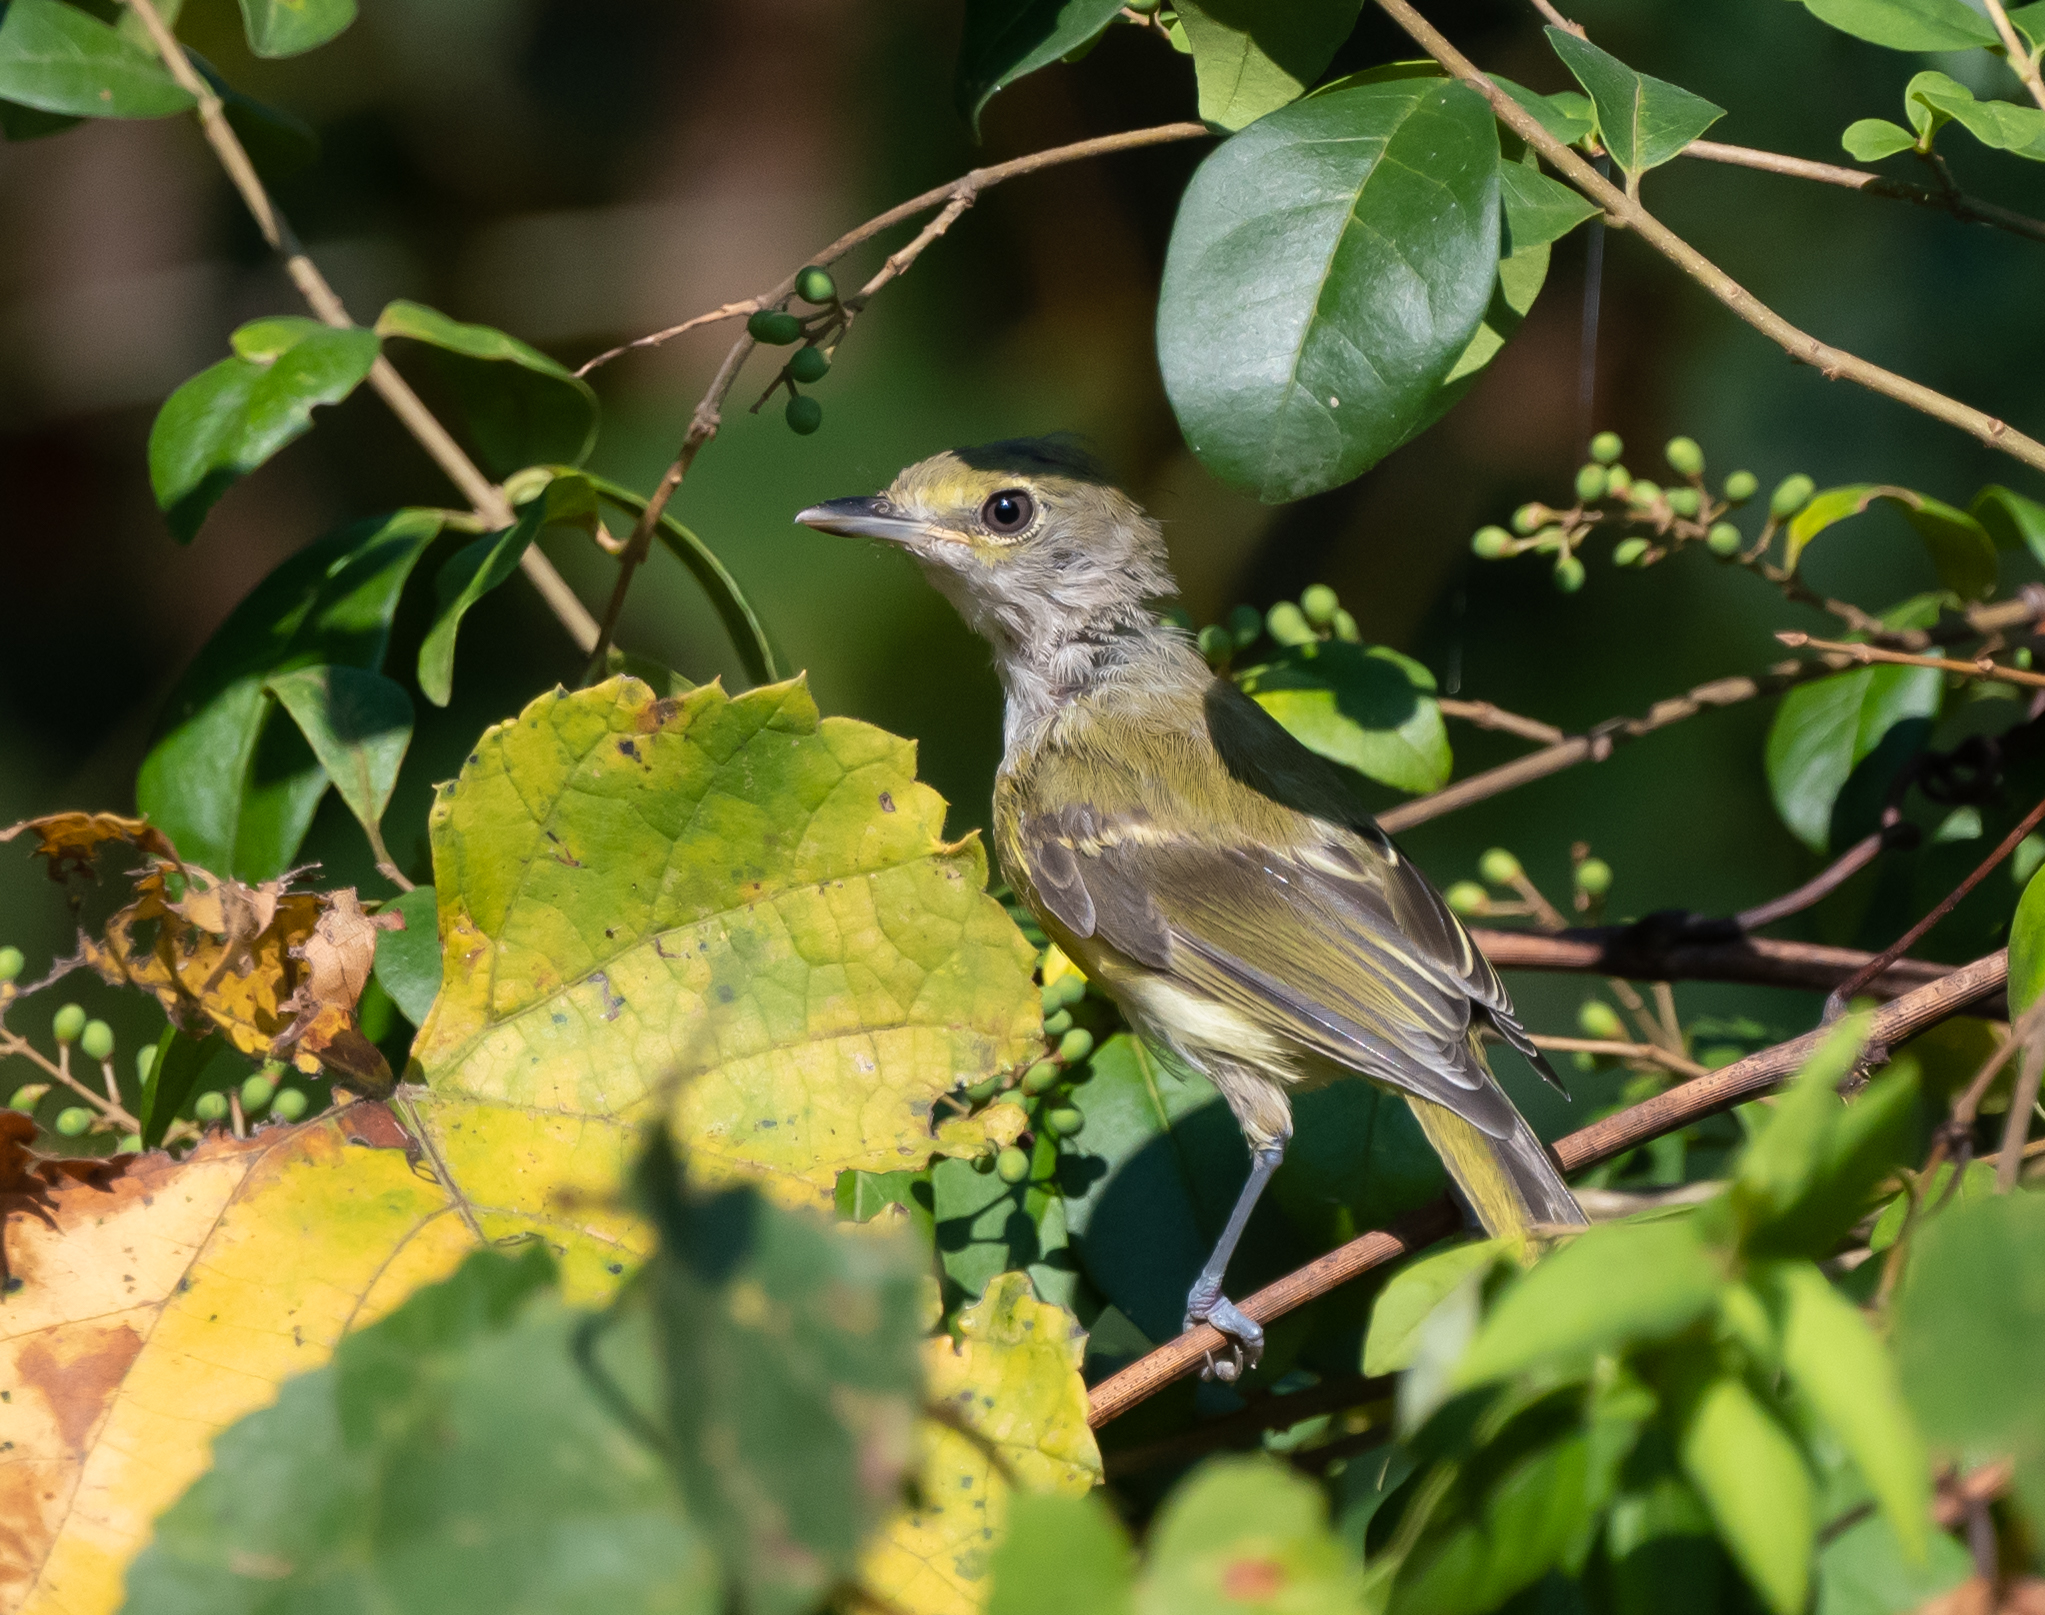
[1472, 1160]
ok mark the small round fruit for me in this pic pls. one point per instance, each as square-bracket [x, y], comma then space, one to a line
[1287, 624]
[1569, 574]
[1791, 494]
[1594, 877]
[1467, 898]
[1065, 1122]
[1345, 627]
[1320, 604]
[985, 1089]
[74, 1121]
[1684, 501]
[774, 328]
[983, 1164]
[1590, 482]
[11, 962]
[1642, 492]
[1216, 643]
[1058, 1023]
[1066, 991]
[1245, 623]
[69, 1022]
[1629, 551]
[290, 1104]
[1606, 447]
[814, 285]
[1012, 1165]
[1042, 1077]
[145, 1062]
[804, 415]
[1685, 457]
[1500, 867]
[1075, 1045]
[1600, 1020]
[1617, 480]
[808, 364]
[210, 1106]
[1491, 544]
[30, 1094]
[256, 1093]
[1723, 539]
[131, 1144]
[1530, 516]
[1742, 486]
[96, 1042]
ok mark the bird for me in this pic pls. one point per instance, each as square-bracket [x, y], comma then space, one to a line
[1211, 874]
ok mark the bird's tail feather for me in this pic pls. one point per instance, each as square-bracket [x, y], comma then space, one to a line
[1510, 1183]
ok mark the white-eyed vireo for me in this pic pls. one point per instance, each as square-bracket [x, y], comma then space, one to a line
[1206, 869]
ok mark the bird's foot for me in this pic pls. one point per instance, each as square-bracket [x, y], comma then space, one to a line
[1245, 1336]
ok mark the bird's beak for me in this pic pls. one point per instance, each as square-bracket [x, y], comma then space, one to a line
[861, 518]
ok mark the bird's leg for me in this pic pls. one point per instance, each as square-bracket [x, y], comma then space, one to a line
[1206, 1304]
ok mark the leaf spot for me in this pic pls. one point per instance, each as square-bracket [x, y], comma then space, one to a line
[1253, 1581]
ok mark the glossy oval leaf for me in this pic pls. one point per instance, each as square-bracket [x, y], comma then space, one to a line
[1933, 99]
[1751, 1476]
[2012, 520]
[1328, 267]
[1869, 140]
[56, 58]
[408, 956]
[1567, 116]
[1643, 121]
[1251, 57]
[1006, 39]
[1913, 25]
[1825, 729]
[1404, 1304]
[1960, 548]
[287, 27]
[1370, 709]
[359, 725]
[231, 417]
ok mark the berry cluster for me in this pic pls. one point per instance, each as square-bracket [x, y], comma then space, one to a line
[817, 332]
[1318, 615]
[1046, 1086]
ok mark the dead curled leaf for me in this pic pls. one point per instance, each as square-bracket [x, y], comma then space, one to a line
[28, 1178]
[71, 841]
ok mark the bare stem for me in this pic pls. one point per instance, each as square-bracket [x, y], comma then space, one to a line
[108, 1105]
[1486, 716]
[1644, 1053]
[1968, 209]
[1844, 653]
[1642, 953]
[2023, 1095]
[2021, 61]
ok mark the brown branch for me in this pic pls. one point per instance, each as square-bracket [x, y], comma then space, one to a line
[2021, 61]
[1644, 1053]
[1601, 1141]
[1840, 653]
[1242, 1427]
[1486, 716]
[488, 500]
[1623, 209]
[1647, 953]
[1968, 209]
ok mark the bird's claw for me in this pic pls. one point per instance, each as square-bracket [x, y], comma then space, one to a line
[1245, 1338]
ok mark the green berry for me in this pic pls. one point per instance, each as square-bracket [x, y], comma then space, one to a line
[1319, 604]
[1791, 494]
[1058, 1024]
[1594, 877]
[804, 415]
[210, 1106]
[96, 1042]
[1643, 492]
[1012, 1165]
[69, 1022]
[1042, 1077]
[774, 328]
[983, 1164]
[1245, 623]
[1617, 480]
[1685, 457]
[1142, 8]
[1491, 544]
[1606, 447]
[1742, 486]
[1468, 899]
[1569, 574]
[1600, 1020]
[145, 1062]
[30, 1094]
[11, 962]
[808, 364]
[814, 285]
[1064, 1122]
[1684, 501]
[1345, 627]
[74, 1121]
[1590, 483]
[985, 1089]
[290, 1104]
[1066, 991]
[1216, 643]
[1629, 551]
[1075, 1045]
[131, 1143]
[1530, 516]
[256, 1094]
[1500, 867]
[1724, 539]
[1287, 624]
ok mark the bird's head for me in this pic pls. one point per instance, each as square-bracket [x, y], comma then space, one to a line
[1027, 538]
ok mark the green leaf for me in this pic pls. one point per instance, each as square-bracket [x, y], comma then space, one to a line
[1643, 121]
[1327, 269]
[56, 58]
[408, 961]
[2013, 521]
[1062, 1553]
[1615, 1285]
[792, 1377]
[1869, 140]
[1538, 209]
[2029, 21]
[1752, 1478]
[18, 123]
[359, 725]
[1864, 1571]
[522, 408]
[231, 417]
[1776, 1169]
[1006, 39]
[2002, 125]
[1250, 57]
[1968, 1320]
[1371, 709]
[985, 1227]
[1959, 546]
[1908, 24]
[1976, 1181]
[1825, 729]
[180, 1057]
[475, 570]
[2027, 946]
[287, 27]
[453, 1458]
[1243, 1533]
[1404, 1304]
[1659, 1543]
[1567, 116]
[234, 791]
[1834, 1359]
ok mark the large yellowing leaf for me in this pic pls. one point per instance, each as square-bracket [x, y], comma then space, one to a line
[724, 907]
[1011, 1378]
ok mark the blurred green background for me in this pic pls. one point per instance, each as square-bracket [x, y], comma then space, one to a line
[583, 171]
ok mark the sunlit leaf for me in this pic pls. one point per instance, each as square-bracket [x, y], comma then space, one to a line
[1934, 99]
[1061, 1552]
[58, 59]
[2027, 946]
[1538, 209]
[1864, 1571]
[1643, 121]
[1826, 729]
[358, 724]
[2012, 520]
[1369, 708]
[1567, 116]
[1415, 1291]
[1959, 546]
[1869, 140]
[287, 27]
[1913, 25]
[1247, 1533]
[1251, 58]
[1751, 1476]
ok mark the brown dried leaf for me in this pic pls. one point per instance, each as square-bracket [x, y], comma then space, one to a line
[72, 840]
[27, 1178]
[338, 958]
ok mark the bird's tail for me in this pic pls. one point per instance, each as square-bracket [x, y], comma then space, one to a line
[1510, 1183]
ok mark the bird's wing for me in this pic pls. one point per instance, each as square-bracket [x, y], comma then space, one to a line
[1338, 944]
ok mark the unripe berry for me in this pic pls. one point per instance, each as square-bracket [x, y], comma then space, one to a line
[1319, 604]
[1216, 643]
[1287, 624]
[808, 364]
[1063, 993]
[1012, 1165]
[1245, 623]
[1529, 516]
[1345, 627]
[1684, 501]
[1723, 539]
[1629, 551]
[69, 1022]
[1491, 544]
[256, 1093]
[1500, 867]
[1058, 1023]
[11, 962]
[96, 1042]
[985, 1089]
[1594, 877]
[30, 1094]
[1075, 1045]
[210, 1106]
[814, 285]
[775, 328]
[131, 1143]
[74, 1122]
[1606, 447]
[290, 1104]
[1643, 492]
[1064, 1122]
[1467, 898]
[804, 415]
[1617, 480]
[1569, 574]
[1042, 1077]
[1590, 482]
[1791, 494]
[1742, 486]
[1685, 456]
[1600, 1020]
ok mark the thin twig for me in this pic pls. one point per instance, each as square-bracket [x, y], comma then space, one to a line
[2021, 61]
[13, 1043]
[1823, 884]
[1968, 209]
[1547, 9]
[1486, 716]
[2023, 1095]
[1664, 1113]
[1645, 1053]
[1690, 949]
[1839, 653]
[1830, 362]
[484, 495]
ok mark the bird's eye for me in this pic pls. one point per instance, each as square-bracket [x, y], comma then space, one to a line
[1008, 511]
